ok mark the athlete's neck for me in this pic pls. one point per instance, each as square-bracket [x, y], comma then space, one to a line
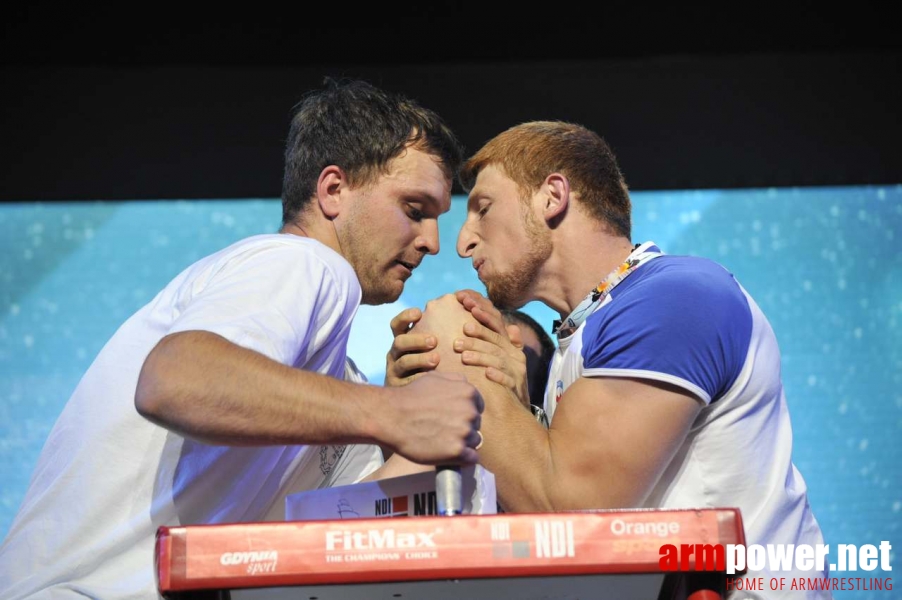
[324, 234]
[578, 264]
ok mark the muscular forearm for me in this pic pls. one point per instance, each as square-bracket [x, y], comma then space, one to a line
[516, 448]
[517, 451]
[608, 445]
[536, 470]
[611, 438]
[202, 386]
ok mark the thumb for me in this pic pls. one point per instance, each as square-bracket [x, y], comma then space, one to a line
[513, 332]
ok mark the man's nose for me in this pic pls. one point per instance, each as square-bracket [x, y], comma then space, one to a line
[466, 241]
[428, 241]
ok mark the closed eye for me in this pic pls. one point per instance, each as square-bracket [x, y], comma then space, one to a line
[415, 214]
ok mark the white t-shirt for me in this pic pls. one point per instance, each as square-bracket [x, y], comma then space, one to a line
[687, 322]
[107, 478]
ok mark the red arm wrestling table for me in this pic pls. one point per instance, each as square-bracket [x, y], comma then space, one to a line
[568, 555]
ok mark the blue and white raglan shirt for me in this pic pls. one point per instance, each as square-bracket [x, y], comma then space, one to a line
[686, 321]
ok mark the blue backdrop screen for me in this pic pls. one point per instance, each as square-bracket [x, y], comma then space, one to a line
[823, 264]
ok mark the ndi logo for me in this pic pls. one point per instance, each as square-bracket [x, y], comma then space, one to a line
[554, 539]
[391, 507]
[424, 503]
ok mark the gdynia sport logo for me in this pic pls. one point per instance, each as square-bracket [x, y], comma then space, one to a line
[786, 566]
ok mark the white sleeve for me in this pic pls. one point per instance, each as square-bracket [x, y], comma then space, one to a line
[359, 460]
[286, 301]
[353, 373]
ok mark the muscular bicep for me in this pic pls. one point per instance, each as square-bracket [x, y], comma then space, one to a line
[612, 438]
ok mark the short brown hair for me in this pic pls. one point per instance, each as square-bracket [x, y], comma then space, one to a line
[360, 128]
[529, 152]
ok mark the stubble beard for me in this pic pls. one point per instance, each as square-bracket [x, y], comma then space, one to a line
[376, 285]
[379, 291]
[509, 290]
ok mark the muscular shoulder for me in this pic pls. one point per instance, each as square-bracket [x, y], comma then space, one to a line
[673, 290]
[276, 294]
[675, 317]
[288, 252]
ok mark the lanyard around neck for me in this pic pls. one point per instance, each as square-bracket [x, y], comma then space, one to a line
[641, 254]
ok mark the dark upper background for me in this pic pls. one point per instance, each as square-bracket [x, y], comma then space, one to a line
[148, 101]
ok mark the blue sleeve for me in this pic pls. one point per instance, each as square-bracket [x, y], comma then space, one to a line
[685, 322]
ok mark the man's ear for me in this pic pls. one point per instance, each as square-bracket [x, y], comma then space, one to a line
[556, 197]
[332, 181]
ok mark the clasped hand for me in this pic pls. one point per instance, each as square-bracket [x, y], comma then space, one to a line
[483, 341]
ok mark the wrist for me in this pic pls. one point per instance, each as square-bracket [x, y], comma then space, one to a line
[374, 410]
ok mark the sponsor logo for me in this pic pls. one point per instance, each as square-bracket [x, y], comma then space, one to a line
[424, 503]
[786, 566]
[386, 539]
[659, 528]
[391, 507]
[258, 562]
[554, 539]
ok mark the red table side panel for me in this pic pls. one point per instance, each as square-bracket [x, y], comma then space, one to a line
[426, 548]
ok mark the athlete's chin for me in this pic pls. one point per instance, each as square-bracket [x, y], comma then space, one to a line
[503, 298]
[383, 294]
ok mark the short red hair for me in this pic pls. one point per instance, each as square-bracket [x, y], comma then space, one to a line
[529, 152]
